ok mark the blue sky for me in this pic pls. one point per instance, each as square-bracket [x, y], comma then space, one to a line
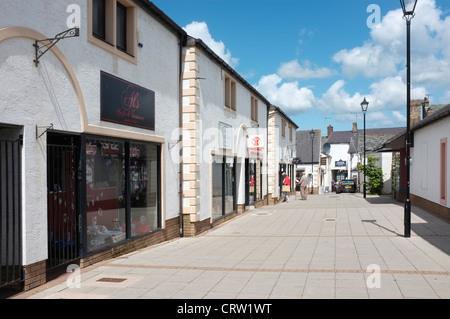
[318, 59]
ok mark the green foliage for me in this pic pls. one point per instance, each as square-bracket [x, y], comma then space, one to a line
[374, 175]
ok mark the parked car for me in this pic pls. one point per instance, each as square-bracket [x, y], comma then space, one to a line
[346, 186]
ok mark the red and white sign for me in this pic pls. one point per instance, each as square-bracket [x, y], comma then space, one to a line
[255, 142]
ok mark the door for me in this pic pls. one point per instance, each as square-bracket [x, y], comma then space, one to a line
[10, 212]
[62, 182]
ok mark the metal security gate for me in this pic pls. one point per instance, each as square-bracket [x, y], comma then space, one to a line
[10, 213]
[62, 178]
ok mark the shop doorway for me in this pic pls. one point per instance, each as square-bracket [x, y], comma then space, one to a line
[62, 195]
[10, 211]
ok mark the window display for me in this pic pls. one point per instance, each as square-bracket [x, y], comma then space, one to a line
[114, 170]
[223, 191]
[143, 188]
[105, 193]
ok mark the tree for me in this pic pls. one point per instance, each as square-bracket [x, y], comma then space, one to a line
[374, 174]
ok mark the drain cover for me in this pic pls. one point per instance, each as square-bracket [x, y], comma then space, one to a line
[261, 214]
[108, 279]
[330, 219]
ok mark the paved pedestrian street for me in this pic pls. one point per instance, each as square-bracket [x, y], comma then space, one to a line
[331, 246]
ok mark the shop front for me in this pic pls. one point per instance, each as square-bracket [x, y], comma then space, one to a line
[111, 185]
[223, 186]
[122, 190]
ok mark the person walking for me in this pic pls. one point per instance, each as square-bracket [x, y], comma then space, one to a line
[303, 186]
[286, 182]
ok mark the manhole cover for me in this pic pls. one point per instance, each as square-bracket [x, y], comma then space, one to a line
[107, 279]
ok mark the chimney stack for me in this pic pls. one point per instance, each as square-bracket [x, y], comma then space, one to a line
[329, 130]
[355, 127]
[425, 107]
[415, 111]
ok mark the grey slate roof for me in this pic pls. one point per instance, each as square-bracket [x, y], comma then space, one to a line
[355, 140]
[304, 146]
[397, 142]
[440, 112]
[376, 137]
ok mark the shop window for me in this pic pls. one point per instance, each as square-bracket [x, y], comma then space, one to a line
[114, 169]
[230, 93]
[105, 193]
[112, 26]
[229, 185]
[98, 19]
[223, 186]
[254, 109]
[252, 177]
[143, 188]
[121, 27]
[217, 196]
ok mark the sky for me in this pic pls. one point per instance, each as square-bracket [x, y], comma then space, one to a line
[318, 59]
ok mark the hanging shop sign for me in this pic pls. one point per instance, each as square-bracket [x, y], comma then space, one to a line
[340, 163]
[225, 136]
[255, 144]
[126, 103]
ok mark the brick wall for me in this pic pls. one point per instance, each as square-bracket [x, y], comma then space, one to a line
[431, 207]
[170, 232]
[35, 275]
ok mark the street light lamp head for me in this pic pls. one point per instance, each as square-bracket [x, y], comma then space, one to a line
[408, 7]
[312, 133]
[364, 105]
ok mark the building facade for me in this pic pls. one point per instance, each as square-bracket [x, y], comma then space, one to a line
[120, 131]
[281, 136]
[308, 145]
[431, 161]
[429, 152]
[224, 160]
[88, 132]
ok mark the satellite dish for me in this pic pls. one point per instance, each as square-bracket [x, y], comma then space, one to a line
[326, 148]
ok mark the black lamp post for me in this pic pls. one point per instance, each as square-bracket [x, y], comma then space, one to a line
[364, 106]
[408, 14]
[312, 133]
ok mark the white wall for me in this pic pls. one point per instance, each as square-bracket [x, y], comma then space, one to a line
[31, 96]
[212, 112]
[385, 162]
[339, 152]
[425, 171]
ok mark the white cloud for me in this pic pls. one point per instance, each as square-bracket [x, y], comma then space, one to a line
[399, 117]
[369, 60]
[200, 30]
[337, 100]
[390, 92]
[287, 95]
[382, 58]
[293, 70]
[384, 55]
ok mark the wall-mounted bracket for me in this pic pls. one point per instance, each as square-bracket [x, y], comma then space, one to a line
[41, 130]
[42, 46]
[172, 144]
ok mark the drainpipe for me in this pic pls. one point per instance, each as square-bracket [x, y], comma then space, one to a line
[180, 123]
[267, 153]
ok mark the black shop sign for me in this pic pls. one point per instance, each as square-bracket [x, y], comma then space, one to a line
[340, 163]
[126, 103]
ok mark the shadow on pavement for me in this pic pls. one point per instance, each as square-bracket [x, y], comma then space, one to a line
[430, 230]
